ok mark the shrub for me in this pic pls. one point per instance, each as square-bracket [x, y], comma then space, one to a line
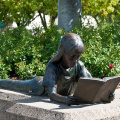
[102, 49]
[27, 52]
[3, 70]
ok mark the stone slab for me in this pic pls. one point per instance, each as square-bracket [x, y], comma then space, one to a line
[21, 106]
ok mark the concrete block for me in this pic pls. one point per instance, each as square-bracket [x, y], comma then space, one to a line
[21, 106]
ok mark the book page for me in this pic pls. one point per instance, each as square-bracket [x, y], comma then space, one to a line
[87, 88]
[108, 88]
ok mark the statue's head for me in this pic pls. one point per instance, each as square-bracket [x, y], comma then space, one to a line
[70, 49]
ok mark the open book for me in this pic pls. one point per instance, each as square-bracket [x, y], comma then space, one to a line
[95, 90]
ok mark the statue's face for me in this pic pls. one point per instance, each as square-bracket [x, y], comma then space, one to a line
[71, 58]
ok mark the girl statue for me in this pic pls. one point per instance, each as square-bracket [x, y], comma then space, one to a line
[62, 73]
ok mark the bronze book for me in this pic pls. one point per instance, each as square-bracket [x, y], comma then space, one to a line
[95, 90]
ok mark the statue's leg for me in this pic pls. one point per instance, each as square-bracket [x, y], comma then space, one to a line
[16, 84]
[33, 86]
[37, 88]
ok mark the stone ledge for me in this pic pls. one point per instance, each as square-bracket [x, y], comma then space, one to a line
[21, 106]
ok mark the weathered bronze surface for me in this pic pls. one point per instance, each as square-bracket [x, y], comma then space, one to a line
[95, 90]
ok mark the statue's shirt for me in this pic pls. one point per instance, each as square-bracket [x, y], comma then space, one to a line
[64, 79]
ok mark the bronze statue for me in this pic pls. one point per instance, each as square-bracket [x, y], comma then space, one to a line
[61, 75]
[64, 70]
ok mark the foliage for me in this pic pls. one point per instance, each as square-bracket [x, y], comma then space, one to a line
[102, 9]
[22, 12]
[102, 53]
[3, 70]
[25, 52]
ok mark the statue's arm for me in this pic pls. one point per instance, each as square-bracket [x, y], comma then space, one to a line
[69, 100]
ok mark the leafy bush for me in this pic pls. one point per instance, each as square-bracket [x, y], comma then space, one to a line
[102, 49]
[3, 70]
[27, 52]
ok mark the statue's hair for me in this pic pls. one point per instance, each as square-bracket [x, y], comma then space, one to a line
[68, 43]
[71, 41]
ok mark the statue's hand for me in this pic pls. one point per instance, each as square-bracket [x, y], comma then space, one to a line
[112, 97]
[70, 100]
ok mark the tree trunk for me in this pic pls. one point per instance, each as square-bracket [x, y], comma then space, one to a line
[69, 14]
[52, 19]
[43, 20]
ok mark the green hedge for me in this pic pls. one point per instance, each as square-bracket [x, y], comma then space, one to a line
[25, 52]
[102, 54]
